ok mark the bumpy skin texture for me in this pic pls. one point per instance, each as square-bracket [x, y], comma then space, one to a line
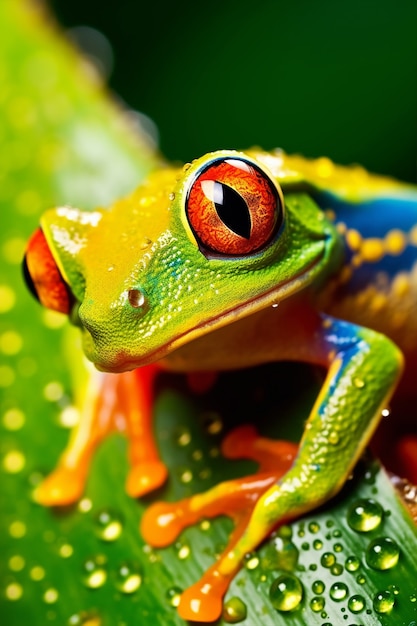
[153, 283]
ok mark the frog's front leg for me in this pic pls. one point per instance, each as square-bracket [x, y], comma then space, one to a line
[363, 367]
[113, 403]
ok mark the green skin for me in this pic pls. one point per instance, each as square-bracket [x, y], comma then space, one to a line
[194, 313]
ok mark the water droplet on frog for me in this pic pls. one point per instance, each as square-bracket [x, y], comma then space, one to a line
[382, 553]
[356, 603]
[338, 547]
[305, 545]
[365, 515]
[173, 596]
[338, 591]
[317, 544]
[234, 610]
[251, 561]
[328, 559]
[128, 577]
[286, 593]
[383, 601]
[318, 587]
[145, 243]
[108, 525]
[361, 580]
[413, 598]
[317, 604]
[334, 438]
[136, 298]
[352, 563]
[395, 590]
[94, 572]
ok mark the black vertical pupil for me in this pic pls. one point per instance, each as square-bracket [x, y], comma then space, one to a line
[232, 210]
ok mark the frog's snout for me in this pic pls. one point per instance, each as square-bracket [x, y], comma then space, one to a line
[42, 275]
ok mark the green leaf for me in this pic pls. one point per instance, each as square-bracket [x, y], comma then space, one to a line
[64, 142]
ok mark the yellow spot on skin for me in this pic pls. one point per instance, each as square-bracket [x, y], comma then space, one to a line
[379, 302]
[7, 298]
[401, 285]
[395, 242]
[14, 462]
[353, 239]
[413, 236]
[372, 250]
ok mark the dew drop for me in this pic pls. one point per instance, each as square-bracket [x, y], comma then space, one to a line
[382, 553]
[286, 593]
[328, 559]
[314, 527]
[14, 419]
[94, 572]
[14, 591]
[352, 563]
[14, 461]
[317, 604]
[317, 544]
[212, 422]
[361, 580]
[108, 525]
[338, 592]
[251, 561]
[85, 618]
[356, 603]
[128, 577]
[50, 596]
[383, 601]
[234, 610]
[338, 547]
[336, 569]
[183, 551]
[173, 596]
[365, 515]
[318, 587]
[183, 437]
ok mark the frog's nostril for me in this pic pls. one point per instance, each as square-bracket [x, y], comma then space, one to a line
[136, 298]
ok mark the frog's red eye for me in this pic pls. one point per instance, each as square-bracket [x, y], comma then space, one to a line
[233, 207]
[43, 277]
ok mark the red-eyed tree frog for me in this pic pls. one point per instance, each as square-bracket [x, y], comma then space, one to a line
[234, 260]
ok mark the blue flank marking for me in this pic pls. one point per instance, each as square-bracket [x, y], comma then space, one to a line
[373, 218]
[376, 218]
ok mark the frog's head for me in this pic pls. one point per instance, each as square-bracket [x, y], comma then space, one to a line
[188, 252]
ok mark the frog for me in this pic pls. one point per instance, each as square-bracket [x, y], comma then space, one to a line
[231, 261]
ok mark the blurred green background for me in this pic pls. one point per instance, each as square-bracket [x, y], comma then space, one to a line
[321, 78]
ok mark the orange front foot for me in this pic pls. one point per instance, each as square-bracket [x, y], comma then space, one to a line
[163, 522]
[145, 477]
[62, 487]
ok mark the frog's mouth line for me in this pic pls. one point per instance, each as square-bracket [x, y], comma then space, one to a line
[273, 296]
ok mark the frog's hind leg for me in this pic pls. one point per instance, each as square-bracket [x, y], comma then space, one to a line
[163, 522]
